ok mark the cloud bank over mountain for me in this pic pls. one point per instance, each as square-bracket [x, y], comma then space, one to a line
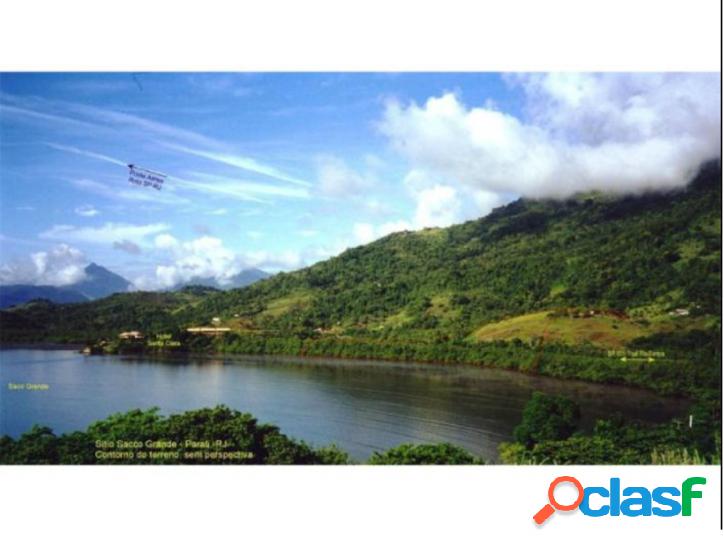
[620, 133]
[60, 266]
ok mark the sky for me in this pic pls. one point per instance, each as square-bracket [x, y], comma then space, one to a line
[281, 170]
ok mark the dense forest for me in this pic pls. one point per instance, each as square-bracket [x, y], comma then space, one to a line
[622, 289]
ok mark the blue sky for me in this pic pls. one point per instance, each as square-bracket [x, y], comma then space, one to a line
[281, 170]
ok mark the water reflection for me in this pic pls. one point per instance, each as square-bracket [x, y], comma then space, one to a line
[361, 406]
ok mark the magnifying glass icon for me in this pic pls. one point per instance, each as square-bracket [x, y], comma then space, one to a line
[548, 510]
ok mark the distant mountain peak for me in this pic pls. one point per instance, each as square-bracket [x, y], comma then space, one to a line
[99, 282]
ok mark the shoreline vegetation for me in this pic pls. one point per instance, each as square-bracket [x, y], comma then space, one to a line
[547, 434]
[600, 367]
[518, 357]
[686, 370]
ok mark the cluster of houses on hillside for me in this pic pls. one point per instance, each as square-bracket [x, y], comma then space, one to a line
[215, 330]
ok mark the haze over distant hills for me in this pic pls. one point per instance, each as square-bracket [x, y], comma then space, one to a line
[17, 294]
[240, 280]
[99, 282]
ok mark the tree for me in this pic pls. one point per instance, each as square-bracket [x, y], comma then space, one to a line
[438, 454]
[547, 417]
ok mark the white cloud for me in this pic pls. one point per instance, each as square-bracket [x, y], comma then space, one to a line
[337, 179]
[60, 266]
[614, 132]
[67, 113]
[366, 233]
[87, 210]
[284, 260]
[241, 162]
[441, 205]
[437, 206]
[87, 153]
[239, 189]
[181, 261]
[108, 233]
[165, 241]
[25, 113]
[202, 257]
[139, 125]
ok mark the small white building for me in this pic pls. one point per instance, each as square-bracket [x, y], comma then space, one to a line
[207, 330]
[133, 334]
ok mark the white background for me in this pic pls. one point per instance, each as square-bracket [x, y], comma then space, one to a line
[350, 505]
[337, 506]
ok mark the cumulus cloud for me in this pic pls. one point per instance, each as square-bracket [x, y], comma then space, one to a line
[440, 204]
[202, 257]
[208, 257]
[60, 266]
[165, 241]
[337, 179]
[366, 233]
[619, 133]
[612, 132]
[437, 206]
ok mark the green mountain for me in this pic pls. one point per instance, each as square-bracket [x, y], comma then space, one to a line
[636, 257]
[594, 273]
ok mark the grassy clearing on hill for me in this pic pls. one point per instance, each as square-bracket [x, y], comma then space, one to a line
[601, 330]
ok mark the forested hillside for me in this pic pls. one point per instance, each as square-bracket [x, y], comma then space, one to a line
[594, 272]
[645, 255]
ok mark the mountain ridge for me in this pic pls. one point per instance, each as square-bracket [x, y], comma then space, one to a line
[645, 255]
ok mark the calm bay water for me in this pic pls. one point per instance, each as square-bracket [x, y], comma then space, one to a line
[360, 406]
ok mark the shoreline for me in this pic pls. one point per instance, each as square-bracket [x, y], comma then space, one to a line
[42, 346]
[170, 355]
